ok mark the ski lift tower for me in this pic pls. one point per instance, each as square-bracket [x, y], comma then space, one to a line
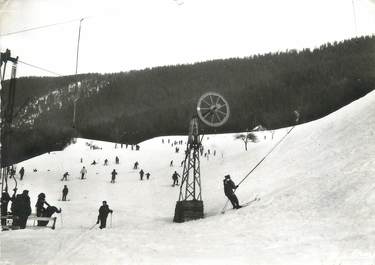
[212, 110]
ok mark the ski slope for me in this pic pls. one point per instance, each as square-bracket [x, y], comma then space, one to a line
[317, 202]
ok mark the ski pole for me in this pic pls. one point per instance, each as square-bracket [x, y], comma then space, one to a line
[111, 220]
[61, 218]
[92, 226]
[225, 206]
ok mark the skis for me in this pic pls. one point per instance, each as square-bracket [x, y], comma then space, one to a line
[250, 202]
[245, 204]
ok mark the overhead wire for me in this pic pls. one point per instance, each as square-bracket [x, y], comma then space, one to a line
[40, 68]
[39, 27]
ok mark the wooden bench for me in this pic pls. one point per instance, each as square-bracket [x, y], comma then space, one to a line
[31, 217]
[36, 218]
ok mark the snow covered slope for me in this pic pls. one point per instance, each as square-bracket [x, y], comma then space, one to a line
[316, 207]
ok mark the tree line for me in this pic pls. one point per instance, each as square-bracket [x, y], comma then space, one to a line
[132, 106]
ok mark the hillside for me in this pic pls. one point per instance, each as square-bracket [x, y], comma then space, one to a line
[316, 202]
[130, 107]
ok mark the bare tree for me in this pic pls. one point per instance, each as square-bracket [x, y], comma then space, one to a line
[246, 138]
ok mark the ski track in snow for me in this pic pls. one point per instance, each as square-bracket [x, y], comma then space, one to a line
[316, 190]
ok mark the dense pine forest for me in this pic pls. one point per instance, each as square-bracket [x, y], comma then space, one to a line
[129, 107]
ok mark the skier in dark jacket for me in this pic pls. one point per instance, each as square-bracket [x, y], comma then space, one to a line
[103, 214]
[229, 188]
[40, 204]
[64, 193]
[65, 176]
[114, 173]
[22, 172]
[141, 173]
[175, 177]
[5, 198]
[21, 209]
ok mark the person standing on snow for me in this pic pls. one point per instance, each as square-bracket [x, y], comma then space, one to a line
[21, 209]
[175, 177]
[114, 173]
[229, 188]
[83, 172]
[141, 173]
[103, 214]
[117, 160]
[64, 193]
[5, 199]
[22, 172]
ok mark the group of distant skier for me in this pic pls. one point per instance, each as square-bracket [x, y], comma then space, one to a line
[21, 208]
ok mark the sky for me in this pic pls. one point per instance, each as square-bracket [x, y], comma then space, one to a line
[123, 35]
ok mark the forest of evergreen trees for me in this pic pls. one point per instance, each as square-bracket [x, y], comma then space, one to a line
[133, 106]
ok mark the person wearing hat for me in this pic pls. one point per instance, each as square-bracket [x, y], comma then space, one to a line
[21, 209]
[64, 193]
[5, 199]
[229, 188]
[40, 204]
[103, 214]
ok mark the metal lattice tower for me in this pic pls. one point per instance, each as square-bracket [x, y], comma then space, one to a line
[213, 110]
[191, 178]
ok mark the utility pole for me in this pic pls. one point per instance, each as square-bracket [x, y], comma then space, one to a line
[355, 19]
[78, 84]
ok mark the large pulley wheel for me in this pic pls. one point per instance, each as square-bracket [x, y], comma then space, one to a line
[213, 109]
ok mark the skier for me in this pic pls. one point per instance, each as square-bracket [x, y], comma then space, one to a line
[229, 188]
[81, 160]
[141, 173]
[114, 173]
[22, 172]
[148, 175]
[65, 176]
[40, 204]
[171, 163]
[5, 198]
[175, 177]
[117, 160]
[103, 214]
[93, 163]
[83, 172]
[21, 209]
[136, 165]
[64, 193]
[12, 172]
[106, 162]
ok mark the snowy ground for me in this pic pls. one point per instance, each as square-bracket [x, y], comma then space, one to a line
[316, 207]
